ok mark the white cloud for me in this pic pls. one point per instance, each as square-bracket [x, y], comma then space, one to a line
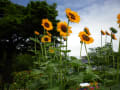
[95, 17]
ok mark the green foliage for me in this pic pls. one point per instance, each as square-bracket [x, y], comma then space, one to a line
[23, 62]
[17, 25]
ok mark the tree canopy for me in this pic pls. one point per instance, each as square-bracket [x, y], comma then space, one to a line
[17, 25]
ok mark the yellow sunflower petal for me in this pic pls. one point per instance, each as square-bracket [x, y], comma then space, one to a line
[107, 33]
[72, 15]
[118, 21]
[47, 25]
[51, 50]
[85, 38]
[114, 37]
[62, 28]
[46, 38]
[118, 16]
[102, 32]
[36, 33]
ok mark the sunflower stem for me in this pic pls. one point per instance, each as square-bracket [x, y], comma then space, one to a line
[35, 44]
[41, 49]
[67, 39]
[45, 46]
[112, 53]
[61, 63]
[87, 54]
[81, 50]
[105, 39]
[101, 44]
[118, 68]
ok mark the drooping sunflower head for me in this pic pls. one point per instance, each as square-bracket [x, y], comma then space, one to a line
[47, 25]
[36, 33]
[107, 33]
[85, 38]
[113, 30]
[102, 32]
[118, 16]
[45, 39]
[87, 31]
[63, 28]
[114, 37]
[49, 34]
[72, 15]
[118, 21]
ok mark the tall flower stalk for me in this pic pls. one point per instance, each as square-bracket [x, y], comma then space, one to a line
[102, 33]
[118, 57]
[67, 40]
[72, 17]
[86, 39]
[87, 54]
[81, 48]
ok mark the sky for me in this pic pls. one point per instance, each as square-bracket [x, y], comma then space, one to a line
[97, 15]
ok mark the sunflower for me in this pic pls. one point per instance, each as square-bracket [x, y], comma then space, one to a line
[36, 33]
[107, 33]
[49, 34]
[62, 27]
[51, 50]
[46, 38]
[47, 25]
[102, 32]
[87, 31]
[118, 21]
[72, 15]
[114, 37]
[85, 38]
[113, 30]
[118, 16]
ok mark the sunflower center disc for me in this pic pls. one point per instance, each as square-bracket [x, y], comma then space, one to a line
[46, 39]
[85, 37]
[72, 16]
[64, 28]
[47, 25]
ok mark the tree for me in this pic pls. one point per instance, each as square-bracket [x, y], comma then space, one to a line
[17, 25]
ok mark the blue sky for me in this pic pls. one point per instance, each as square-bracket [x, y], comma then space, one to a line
[94, 14]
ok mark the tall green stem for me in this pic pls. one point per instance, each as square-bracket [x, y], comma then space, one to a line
[101, 45]
[45, 47]
[81, 49]
[118, 68]
[101, 40]
[61, 63]
[87, 54]
[41, 49]
[118, 58]
[105, 39]
[67, 39]
[112, 51]
[35, 44]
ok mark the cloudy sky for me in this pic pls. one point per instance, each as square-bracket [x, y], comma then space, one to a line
[94, 14]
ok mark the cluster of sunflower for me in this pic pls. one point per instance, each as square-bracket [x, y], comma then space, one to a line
[85, 36]
[62, 27]
[103, 33]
